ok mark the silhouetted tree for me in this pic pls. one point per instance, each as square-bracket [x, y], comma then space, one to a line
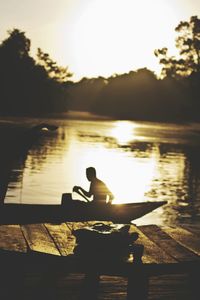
[170, 65]
[188, 44]
[26, 87]
[16, 45]
[15, 68]
[54, 71]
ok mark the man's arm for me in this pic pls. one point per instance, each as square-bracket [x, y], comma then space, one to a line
[77, 189]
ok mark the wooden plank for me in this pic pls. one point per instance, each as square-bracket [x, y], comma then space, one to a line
[12, 239]
[63, 237]
[152, 252]
[170, 245]
[185, 238]
[38, 239]
[193, 229]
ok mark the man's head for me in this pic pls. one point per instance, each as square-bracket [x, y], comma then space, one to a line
[90, 173]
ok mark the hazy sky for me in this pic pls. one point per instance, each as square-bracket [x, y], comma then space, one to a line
[98, 37]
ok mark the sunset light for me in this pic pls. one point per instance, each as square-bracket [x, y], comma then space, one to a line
[128, 178]
[99, 37]
[100, 142]
[123, 131]
[117, 36]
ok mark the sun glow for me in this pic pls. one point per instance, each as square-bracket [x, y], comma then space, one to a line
[116, 36]
[123, 132]
[133, 181]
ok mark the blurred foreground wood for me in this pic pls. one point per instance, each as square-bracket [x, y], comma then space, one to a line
[37, 262]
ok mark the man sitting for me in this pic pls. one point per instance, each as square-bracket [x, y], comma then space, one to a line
[98, 189]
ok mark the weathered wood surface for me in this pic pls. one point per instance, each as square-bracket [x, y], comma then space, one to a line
[186, 238]
[38, 239]
[63, 238]
[11, 238]
[165, 249]
[169, 244]
[153, 253]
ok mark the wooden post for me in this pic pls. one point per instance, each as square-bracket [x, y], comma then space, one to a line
[137, 284]
[194, 282]
[11, 277]
[90, 286]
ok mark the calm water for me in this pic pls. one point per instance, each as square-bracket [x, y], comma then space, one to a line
[138, 161]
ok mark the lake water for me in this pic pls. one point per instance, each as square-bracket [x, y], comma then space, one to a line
[139, 161]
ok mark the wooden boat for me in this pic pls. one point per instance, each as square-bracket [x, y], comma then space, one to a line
[75, 211]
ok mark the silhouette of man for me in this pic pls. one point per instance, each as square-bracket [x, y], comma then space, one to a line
[98, 189]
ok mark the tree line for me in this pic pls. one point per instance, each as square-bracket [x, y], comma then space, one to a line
[141, 95]
[29, 86]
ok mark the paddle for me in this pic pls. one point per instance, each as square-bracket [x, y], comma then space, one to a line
[82, 195]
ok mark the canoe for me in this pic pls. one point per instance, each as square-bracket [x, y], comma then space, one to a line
[75, 211]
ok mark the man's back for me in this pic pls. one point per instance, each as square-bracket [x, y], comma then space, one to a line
[99, 190]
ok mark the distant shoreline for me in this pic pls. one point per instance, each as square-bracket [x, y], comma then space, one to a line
[82, 115]
[71, 115]
[85, 116]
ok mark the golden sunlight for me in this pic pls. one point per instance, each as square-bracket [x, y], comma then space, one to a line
[116, 36]
[123, 132]
[134, 180]
[128, 177]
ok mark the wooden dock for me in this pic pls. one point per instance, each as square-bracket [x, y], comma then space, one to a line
[37, 262]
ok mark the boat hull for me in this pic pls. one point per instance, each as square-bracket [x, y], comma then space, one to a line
[75, 211]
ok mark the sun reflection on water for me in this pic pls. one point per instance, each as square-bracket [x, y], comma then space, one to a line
[128, 177]
[134, 181]
[123, 131]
